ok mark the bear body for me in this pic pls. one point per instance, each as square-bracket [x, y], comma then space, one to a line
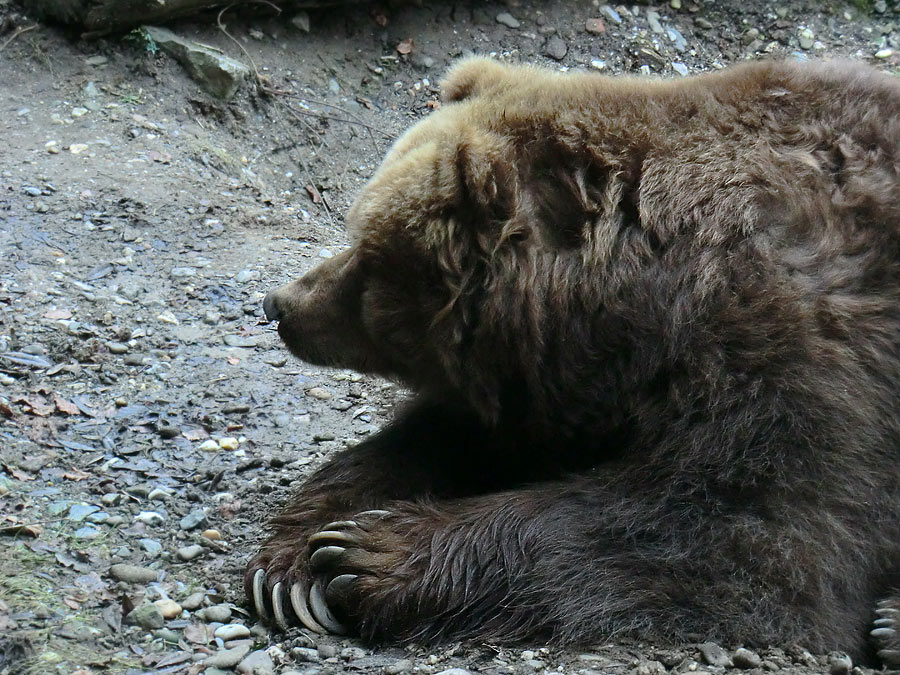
[653, 331]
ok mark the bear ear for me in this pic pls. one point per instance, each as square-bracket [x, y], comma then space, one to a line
[486, 177]
[473, 77]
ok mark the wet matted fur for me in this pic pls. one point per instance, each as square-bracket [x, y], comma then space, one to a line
[653, 328]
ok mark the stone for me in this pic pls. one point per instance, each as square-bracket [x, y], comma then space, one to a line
[226, 658]
[216, 613]
[187, 553]
[193, 520]
[257, 663]
[195, 601]
[714, 655]
[147, 616]
[508, 20]
[217, 74]
[746, 659]
[556, 48]
[168, 608]
[133, 574]
[595, 26]
[232, 631]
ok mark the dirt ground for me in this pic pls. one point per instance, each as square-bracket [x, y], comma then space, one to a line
[148, 415]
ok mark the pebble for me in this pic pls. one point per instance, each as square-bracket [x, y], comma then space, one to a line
[653, 21]
[133, 360]
[327, 651]
[226, 658]
[167, 635]
[214, 535]
[77, 148]
[151, 546]
[305, 654]
[319, 393]
[194, 601]
[257, 663]
[455, 671]
[216, 613]
[193, 520]
[595, 26]
[232, 631]
[401, 666]
[168, 608]
[714, 655]
[807, 37]
[884, 53]
[352, 653]
[209, 446]
[182, 272]
[556, 48]
[187, 553]
[611, 14]
[245, 341]
[159, 494]
[680, 68]
[150, 518]
[839, 664]
[117, 347]
[244, 276]
[78, 512]
[746, 659]
[133, 574]
[508, 20]
[147, 616]
[86, 532]
[228, 443]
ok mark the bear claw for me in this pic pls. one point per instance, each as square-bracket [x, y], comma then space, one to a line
[278, 607]
[320, 610]
[259, 581]
[339, 588]
[323, 557]
[301, 608]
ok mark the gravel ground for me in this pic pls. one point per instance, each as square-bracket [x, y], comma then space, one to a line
[149, 419]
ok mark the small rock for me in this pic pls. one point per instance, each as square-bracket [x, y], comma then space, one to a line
[226, 658]
[96, 60]
[675, 4]
[352, 653]
[232, 631]
[300, 20]
[150, 518]
[244, 341]
[214, 535]
[193, 520]
[78, 148]
[680, 68]
[159, 494]
[182, 272]
[147, 616]
[217, 614]
[117, 347]
[86, 532]
[807, 38]
[327, 651]
[839, 663]
[401, 666]
[167, 635]
[244, 276]
[187, 553]
[209, 446]
[218, 74]
[595, 26]
[305, 654]
[78, 512]
[556, 48]
[151, 546]
[746, 659]
[455, 671]
[133, 574]
[194, 601]
[257, 663]
[508, 20]
[884, 53]
[228, 443]
[611, 14]
[168, 608]
[714, 655]
[319, 393]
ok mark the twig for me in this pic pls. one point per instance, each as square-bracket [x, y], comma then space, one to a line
[355, 118]
[17, 34]
[313, 185]
[260, 78]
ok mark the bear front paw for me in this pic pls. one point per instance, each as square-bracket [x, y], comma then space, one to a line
[277, 583]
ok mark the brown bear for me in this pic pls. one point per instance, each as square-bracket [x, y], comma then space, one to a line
[653, 331]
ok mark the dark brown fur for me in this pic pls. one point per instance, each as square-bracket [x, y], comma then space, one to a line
[654, 331]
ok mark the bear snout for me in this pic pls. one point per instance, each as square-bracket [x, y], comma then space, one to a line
[270, 306]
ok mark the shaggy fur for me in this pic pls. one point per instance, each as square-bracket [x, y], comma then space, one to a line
[654, 331]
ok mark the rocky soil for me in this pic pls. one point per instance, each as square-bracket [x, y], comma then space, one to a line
[149, 419]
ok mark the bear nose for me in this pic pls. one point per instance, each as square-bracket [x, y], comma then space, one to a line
[270, 307]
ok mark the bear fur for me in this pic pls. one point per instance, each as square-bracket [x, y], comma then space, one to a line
[653, 331]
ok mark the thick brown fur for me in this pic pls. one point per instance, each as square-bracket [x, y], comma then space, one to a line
[654, 333]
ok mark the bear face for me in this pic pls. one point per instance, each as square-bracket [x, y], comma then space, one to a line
[653, 333]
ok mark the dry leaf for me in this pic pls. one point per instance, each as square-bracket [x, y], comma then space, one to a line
[314, 194]
[65, 406]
